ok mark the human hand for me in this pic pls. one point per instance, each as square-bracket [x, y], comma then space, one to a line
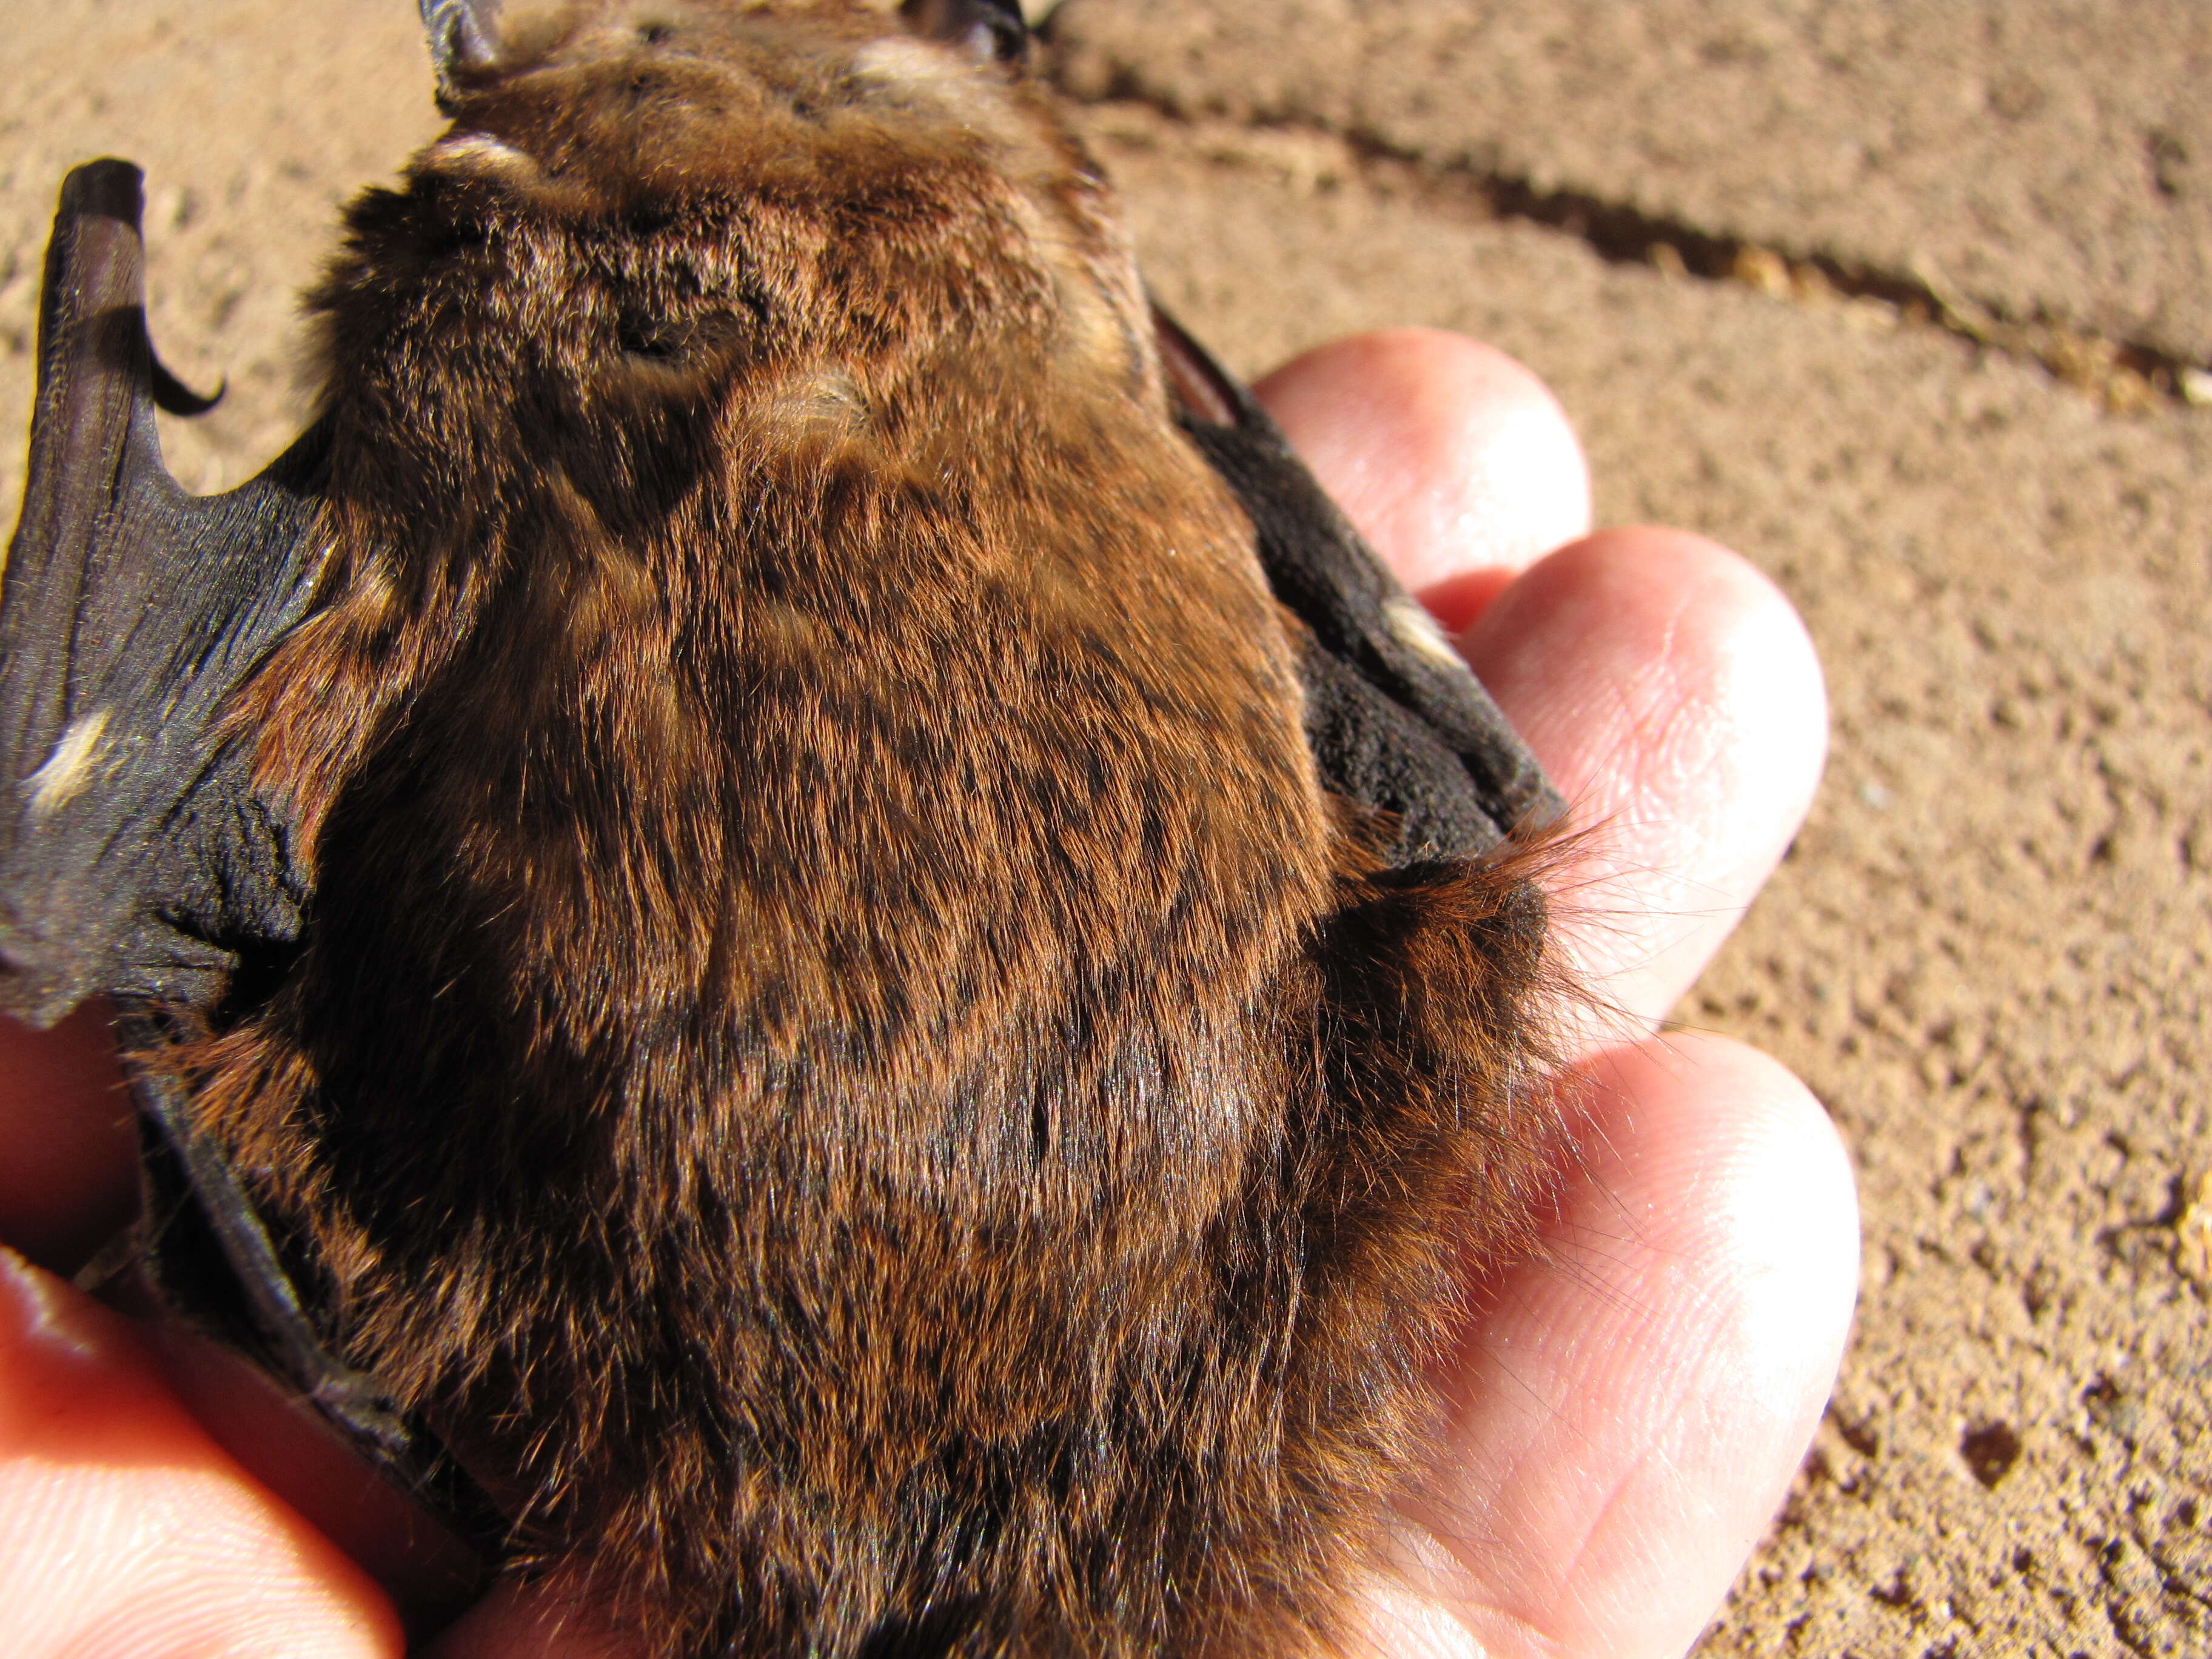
[1625, 1412]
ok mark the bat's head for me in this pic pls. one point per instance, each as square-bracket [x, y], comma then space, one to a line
[469, 38]
[644, 108]
[708, 84]
[675, 197]
[888, 120]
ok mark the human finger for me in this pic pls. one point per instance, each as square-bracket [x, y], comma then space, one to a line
[1626, 1410]
[1667, 687]
[1454, 461]
[130, 1531]
[1675, 701]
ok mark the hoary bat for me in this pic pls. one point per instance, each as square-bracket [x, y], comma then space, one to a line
[795, 923]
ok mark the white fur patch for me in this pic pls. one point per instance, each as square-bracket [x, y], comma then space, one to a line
[920, 74]
[1410, 621]
[74, 764]
[482, 152]
[900, 62]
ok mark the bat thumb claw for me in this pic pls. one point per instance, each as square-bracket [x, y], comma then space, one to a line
[173, 397]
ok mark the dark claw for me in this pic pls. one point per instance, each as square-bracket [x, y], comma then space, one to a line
[173, 397]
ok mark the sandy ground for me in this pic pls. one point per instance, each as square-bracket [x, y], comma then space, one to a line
[1905, 301]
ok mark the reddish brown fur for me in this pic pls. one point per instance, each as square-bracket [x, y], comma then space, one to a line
[842, 1055]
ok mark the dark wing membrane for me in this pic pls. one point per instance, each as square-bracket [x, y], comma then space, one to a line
[132, 858]
[135, 861]
[1396, 721]
[209, 1259]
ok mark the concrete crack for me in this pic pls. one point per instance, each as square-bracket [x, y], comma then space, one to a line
[2126, 376]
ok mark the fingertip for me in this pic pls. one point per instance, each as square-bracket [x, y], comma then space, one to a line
[1456, 462]
[131, 1532]
[1652, 629]
[1762, 1197]
[1710, 1224]
[1674, 698]
[1741, 654]
[1629, 1408]
[1721, 1204]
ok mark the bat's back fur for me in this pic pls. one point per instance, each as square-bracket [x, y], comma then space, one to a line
[842, 1055]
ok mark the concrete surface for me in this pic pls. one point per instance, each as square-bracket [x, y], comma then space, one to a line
[254, 122]
[2043, 156]
[1988, 951]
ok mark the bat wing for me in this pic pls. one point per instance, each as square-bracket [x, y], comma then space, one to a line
[1396, 721]
[134, 860]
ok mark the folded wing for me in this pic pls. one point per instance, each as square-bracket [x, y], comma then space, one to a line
[134, 860]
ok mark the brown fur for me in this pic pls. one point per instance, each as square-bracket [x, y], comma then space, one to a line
[841, 1055]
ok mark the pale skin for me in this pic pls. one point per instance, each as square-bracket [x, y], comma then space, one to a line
[1624, 1414]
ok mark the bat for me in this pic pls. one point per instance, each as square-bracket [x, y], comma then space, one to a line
[796, 925]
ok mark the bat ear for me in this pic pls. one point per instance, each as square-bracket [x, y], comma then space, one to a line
[986, 29]
[464, 36]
